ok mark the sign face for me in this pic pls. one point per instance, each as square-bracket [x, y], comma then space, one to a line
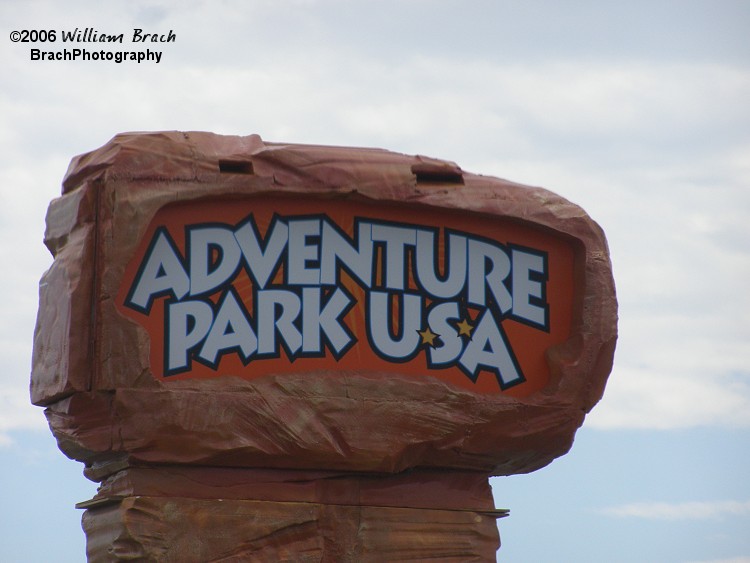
[259, 286]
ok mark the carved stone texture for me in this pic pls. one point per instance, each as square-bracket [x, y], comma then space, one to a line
[94, 369]
[169, 529]
[184, 513]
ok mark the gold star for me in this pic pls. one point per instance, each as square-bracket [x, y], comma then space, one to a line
[464, 328]
[428, 337]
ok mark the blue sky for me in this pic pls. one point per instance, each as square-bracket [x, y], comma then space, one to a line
[636, 111]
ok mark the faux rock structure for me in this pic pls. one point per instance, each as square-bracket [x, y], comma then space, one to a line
[261, 352]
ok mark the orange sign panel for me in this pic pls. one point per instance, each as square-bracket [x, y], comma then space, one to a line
[256, 286]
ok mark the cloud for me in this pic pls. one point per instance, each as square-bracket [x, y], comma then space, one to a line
[24, 258]
[17, 414]
[680, 511]
[650, 398]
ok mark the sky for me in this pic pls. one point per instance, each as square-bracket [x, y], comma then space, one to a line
[637, 111]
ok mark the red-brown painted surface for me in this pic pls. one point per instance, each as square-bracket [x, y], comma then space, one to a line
[222, 305]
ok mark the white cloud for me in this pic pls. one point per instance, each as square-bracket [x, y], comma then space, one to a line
[647, 398]
[27, 183]
[680, 510]
[18, 414]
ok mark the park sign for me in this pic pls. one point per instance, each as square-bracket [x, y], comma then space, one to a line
[274, 285]
[277, 351]
[210, 294]
[199, 273]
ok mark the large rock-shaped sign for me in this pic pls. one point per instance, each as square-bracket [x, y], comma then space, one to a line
[226, 302]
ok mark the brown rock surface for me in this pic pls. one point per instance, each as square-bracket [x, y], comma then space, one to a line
[164, 529]
[163, 445]
[84, 346]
